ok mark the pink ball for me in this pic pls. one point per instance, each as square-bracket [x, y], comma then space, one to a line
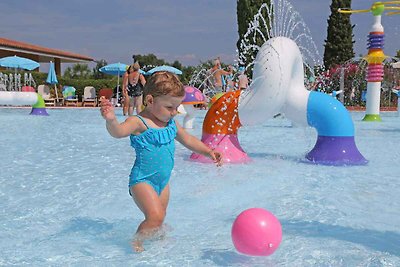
[256, 232]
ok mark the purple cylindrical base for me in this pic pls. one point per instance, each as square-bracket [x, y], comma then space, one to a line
[336, 150]
[39, 111]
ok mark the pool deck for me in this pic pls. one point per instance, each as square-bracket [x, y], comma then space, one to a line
[360, 108]
[349, 108]
[79, 105]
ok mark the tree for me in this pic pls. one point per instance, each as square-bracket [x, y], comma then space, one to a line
[177, 65]
[96, 73]
[187, 74]
[149, 60]
[398, 54]
[339, 42]
[78, 71]
[245, 11]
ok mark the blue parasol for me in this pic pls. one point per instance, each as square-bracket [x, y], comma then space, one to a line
[164, 68]
[115, 69]
[18, 63]
[52, 77]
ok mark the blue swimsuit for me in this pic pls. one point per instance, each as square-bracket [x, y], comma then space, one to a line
[155, 150]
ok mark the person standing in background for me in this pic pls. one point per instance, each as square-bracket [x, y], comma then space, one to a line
[125, 105]
[217, 73]
[135, 84]
[243, 80]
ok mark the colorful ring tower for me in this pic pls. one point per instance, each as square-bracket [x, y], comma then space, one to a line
[375, 55]
[375, 60]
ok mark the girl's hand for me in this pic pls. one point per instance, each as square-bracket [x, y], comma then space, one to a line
[216, 157]
[107, 109]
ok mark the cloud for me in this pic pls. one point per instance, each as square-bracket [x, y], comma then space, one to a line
[186, 57]
[188, 31]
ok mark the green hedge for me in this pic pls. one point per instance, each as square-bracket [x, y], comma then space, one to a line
[79, 84]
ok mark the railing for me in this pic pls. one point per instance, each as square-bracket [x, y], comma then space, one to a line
[12, 81]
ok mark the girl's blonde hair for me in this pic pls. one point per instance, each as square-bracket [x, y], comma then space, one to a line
[163, 83]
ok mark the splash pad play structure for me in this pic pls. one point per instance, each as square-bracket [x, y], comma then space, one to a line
[15, 98]
[375, 55]
[193, 96]
[322, 210]
[278, 87]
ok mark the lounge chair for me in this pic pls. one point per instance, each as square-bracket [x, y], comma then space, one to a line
[89, 96]
[70, 99]
[44, 90]
[27, 88]
[106, 93]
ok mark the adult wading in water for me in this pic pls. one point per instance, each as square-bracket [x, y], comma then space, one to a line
[133, 89]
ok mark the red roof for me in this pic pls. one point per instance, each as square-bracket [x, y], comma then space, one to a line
[7, 43]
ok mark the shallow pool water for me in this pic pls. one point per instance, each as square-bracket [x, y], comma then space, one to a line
[64, 196]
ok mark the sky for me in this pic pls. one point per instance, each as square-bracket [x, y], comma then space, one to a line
[188, 31]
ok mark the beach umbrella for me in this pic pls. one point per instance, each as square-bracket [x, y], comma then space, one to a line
[52, 77]
[18, 63]
[69, 92]
[115, 69]
[165, 68]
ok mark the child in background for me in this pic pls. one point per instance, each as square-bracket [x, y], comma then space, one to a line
[152, 135]
[230, 84]
[243, 80]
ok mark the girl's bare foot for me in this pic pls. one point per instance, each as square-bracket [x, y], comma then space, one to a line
[137, 245]
[158, 233]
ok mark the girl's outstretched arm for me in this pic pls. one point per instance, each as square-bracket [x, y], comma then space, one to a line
[116, 129]
[195, 145]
